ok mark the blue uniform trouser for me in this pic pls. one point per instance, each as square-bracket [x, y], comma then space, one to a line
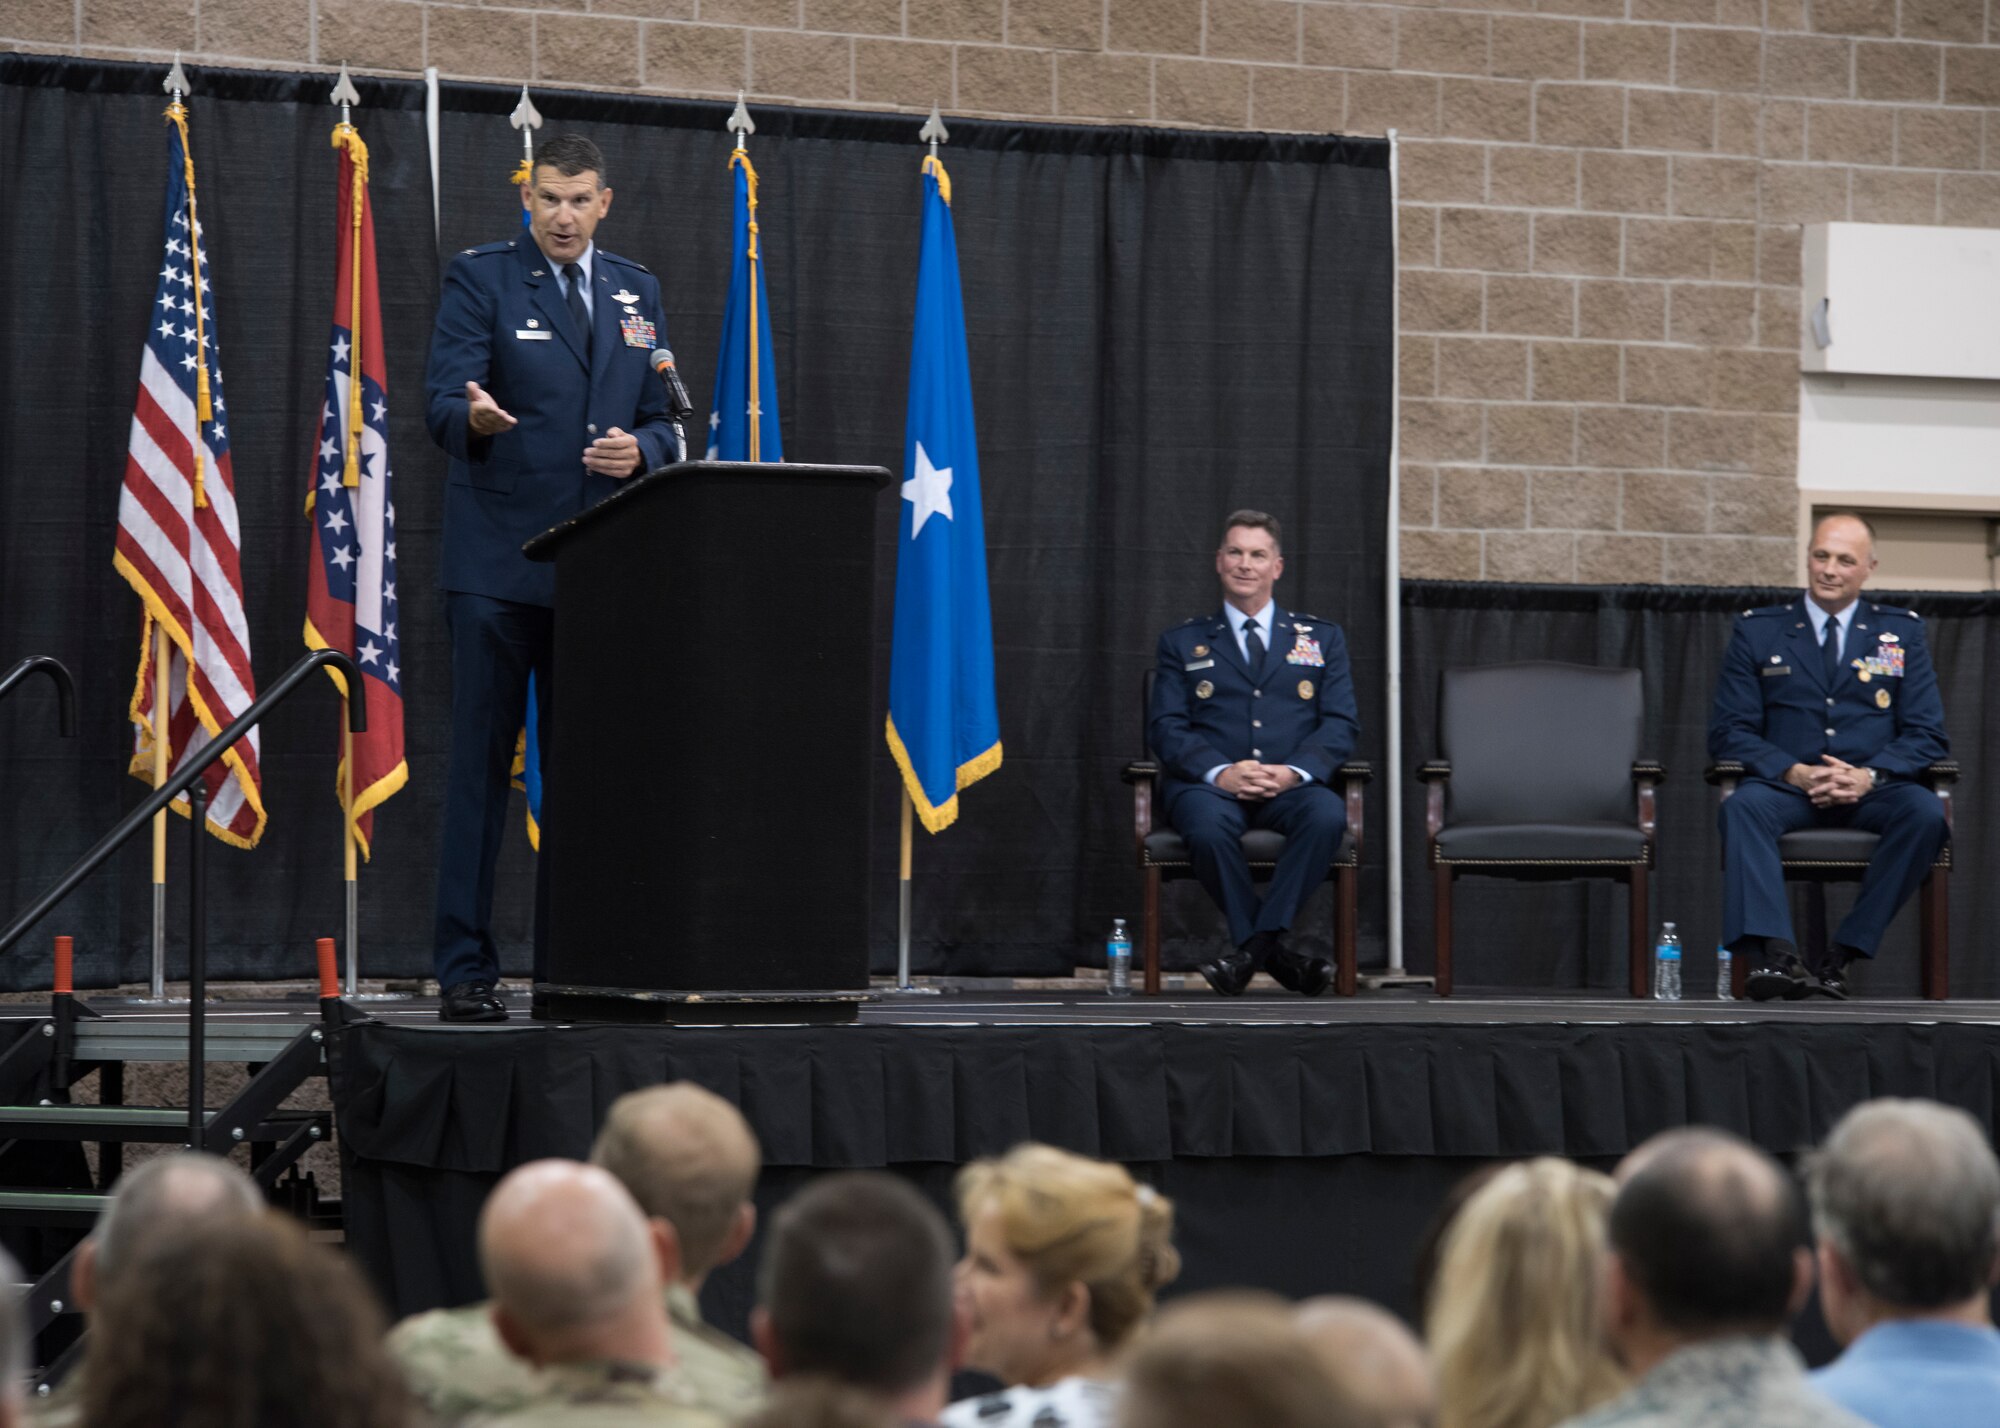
[1311, 817]
[495, 645]
[1908, 817]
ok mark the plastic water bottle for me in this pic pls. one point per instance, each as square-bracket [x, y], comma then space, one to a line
[1118, 960]
[1667, 965]
[1725, 990]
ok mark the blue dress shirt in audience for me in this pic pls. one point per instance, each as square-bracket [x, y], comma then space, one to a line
[1918, 1373]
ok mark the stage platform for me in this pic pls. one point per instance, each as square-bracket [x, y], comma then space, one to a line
[1307, 1144]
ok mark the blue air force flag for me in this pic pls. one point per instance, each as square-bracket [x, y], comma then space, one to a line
[746, 379]
[944, 727]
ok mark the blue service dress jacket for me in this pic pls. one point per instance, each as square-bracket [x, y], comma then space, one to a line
[1773, 707]
[502, 322]
[1208, 708]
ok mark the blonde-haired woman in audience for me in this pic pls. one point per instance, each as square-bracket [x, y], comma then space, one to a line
[1063, 1255]
[1513, 1322]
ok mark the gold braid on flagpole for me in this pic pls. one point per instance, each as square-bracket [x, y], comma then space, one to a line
[203, 412]
[756, 387]
[935, 165]
[346, 136]
[524, 172]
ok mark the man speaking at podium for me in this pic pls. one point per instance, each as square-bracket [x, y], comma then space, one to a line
[540, 390]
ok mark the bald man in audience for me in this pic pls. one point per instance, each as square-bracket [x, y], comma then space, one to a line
[164, 1196]
[579, 1277]
[691, 1162]
[1376, 1363]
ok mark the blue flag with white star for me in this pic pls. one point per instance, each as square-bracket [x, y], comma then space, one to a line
[746, 364]
[944, 723]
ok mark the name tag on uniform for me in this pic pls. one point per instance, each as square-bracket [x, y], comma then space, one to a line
[1770, 669]
[1199, 664]
[530, 335]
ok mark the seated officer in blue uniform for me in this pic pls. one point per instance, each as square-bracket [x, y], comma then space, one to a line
[1252, 712]
[1831, 705]
[540, 390]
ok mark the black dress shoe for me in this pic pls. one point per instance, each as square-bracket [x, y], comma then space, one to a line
[1308, 976]
[471, 1001]
[1831, 980]
[1783, 976]
[1230, 973]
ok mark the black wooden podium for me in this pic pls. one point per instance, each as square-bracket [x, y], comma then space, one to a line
[705, 810]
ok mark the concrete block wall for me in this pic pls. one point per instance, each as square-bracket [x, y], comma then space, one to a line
[1602, 199]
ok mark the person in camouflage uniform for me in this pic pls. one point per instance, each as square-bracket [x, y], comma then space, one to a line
[690, 1161]
[577, 1273]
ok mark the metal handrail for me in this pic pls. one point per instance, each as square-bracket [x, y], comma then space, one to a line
[186, 777]
[59, 677]
[189, 781]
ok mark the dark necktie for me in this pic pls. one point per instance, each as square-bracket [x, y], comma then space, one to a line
[578, 313]
[1253, 646]
[1829, 651]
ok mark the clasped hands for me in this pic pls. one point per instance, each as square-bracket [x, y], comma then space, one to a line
[1830, 782]
[1250, 782]
[616, 453]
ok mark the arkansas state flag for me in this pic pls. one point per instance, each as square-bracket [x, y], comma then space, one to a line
[351, 595]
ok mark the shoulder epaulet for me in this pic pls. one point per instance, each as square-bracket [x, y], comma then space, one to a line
[1765, 610]
[503, 245]
[623, 262]
[1192, 620]
[1898, 610]
[1303, 618]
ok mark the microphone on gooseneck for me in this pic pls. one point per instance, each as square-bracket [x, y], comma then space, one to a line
[677, 394]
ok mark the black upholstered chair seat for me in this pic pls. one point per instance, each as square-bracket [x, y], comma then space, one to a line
[1540, 779]
[1828, 845]
[1166, 849]
[1596, 844]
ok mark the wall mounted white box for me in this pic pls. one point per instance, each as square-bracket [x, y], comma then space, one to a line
[1903, 301]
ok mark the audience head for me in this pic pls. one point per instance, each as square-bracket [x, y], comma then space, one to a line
[239, 1323]
[1514, 1318]
[573, 1265]
[1431, 1244]
[690, 1159]
[1708, 1239]
[856, 1286]
[1230, 1358]
[1376, 1365]
[156, 1200]
[1062, 1257]
[1906, 1202]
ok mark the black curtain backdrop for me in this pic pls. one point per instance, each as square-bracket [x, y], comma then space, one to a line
[1571, 934]
[1164, 326]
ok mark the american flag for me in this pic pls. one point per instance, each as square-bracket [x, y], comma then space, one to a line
[351, 587]
[178, 540]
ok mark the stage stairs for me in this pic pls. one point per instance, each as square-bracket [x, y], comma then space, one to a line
[52, 1055]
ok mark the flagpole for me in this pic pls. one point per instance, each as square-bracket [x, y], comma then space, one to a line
[353, 983]
[903, 904]
[933, 133]
[161, 726]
